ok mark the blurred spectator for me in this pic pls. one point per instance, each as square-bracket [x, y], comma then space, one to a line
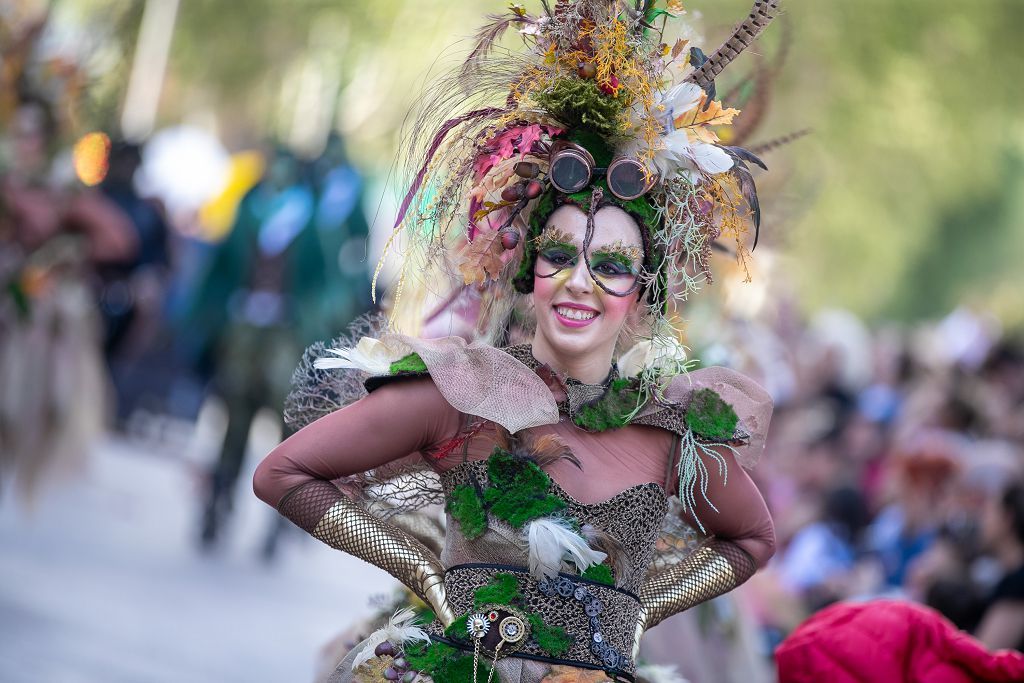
[1002, 626]
[823, 553]
[922, 473]
[132, 291]
[52, 237]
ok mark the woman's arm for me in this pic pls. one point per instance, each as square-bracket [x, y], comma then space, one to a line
[741, 517]
[742, 539]
[1002, 627]
[390, 423]
[394, 421]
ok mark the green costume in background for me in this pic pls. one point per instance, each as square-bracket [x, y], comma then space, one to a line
[274, 286]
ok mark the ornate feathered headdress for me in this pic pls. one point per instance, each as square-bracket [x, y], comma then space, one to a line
[599, 109]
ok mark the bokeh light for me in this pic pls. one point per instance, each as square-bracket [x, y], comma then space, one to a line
[91, 157]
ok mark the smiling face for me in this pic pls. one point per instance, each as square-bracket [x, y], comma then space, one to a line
[578, 319]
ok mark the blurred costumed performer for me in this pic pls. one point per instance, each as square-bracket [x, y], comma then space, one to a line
[267, 293]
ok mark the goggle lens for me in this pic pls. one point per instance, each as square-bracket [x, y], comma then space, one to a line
[628, 179]
[569, 171]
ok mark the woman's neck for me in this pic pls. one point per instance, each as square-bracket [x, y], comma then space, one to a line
[590, 367]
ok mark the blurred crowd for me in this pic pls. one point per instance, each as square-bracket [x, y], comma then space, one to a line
[116, 305]
[894, 469]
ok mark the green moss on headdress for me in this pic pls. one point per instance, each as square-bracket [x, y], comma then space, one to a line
[580, 103]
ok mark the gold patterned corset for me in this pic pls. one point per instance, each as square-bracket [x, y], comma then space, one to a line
[599, 619]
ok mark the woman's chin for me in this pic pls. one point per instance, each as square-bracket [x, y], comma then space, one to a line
[573, 341]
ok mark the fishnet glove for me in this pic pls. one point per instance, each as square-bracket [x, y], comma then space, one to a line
[716, 567]
[322, 510]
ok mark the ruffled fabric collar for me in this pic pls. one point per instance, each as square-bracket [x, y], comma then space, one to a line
[570, 393]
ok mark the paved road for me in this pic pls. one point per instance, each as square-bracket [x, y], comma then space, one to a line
[101, 582]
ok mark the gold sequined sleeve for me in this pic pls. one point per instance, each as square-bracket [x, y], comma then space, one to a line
[391, 423]
[322, 510]
[714, 568]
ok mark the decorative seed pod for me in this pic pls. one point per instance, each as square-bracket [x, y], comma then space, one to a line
[410, 676]
[392, 674]
[587, 70]
[509, 239]
[513, 193]
[385, 648]
[534, 189]
[401, 662]
[526, 169]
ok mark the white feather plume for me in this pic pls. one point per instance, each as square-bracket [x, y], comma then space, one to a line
[710, 158]
[370, 355]
[551, 541]
[655, 673]
[400, 629]
[682, 98]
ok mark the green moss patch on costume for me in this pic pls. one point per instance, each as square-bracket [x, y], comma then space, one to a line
[457, 629]
[709, 416]
[444, 663]
[601, 573]
[502, 590]
[612, 410]
[424, 615]
[519, 490]
[552, 639]
[406, 364]
[467, 509]
[580, 103]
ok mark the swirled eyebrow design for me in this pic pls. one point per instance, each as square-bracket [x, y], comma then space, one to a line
[627, 254]
[554, 236]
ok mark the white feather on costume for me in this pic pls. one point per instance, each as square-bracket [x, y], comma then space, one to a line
[399, 630]
[682, 98]
[654, 673]
[551, 541]
[370, 355]
[674, 152]
[710, 158]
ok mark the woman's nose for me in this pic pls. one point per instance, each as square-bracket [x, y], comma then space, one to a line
[579, 281]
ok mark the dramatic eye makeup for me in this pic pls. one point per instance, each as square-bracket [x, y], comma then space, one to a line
[617, 258]
[555, 246]
[614, 266]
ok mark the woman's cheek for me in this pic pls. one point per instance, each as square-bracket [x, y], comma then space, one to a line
[544, 287]
[617, 308]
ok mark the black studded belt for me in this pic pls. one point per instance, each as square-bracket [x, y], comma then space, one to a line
[599, 619]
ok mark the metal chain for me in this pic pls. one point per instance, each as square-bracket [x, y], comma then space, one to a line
[494, 662]
[476, 656]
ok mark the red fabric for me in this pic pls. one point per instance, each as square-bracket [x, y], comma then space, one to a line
[890, 641]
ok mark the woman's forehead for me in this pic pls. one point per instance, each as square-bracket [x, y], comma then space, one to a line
[611, 225]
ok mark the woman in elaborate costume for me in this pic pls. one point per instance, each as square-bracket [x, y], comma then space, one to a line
[594, 186]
